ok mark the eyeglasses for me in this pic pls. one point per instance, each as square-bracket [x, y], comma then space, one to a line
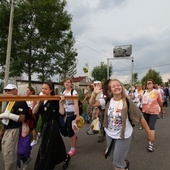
[149, 83]
[7, 90]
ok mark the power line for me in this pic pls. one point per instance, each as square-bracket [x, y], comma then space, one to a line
[161, 65]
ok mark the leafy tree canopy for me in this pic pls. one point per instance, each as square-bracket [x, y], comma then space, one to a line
[100, 72]
[42, 40]
[152, 74]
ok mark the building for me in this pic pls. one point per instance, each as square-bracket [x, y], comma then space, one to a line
[79, 83]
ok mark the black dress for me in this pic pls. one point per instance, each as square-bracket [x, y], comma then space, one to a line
[52, 150]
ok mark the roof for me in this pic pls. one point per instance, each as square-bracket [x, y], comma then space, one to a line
[78, 79]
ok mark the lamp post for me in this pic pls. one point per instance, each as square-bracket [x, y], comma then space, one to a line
[8, 54]
[9, 44]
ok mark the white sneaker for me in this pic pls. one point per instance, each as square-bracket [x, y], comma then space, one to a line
[34, 142]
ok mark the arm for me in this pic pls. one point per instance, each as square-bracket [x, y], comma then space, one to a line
[2, 131]
[147, 129]
[61, 107]
[97, 90]
[77, 110]
[36, 107]
[12, 116]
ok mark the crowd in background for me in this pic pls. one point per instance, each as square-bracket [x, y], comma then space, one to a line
[108, 102]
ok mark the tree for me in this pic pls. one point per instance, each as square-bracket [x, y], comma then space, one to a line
[135, 78]
[42, 38]
[152, 74]
[100, 72]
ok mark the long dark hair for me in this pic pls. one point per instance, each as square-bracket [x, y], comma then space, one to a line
[51, 86]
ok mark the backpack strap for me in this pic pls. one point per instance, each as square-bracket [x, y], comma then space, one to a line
[128, 105]
[72, 91]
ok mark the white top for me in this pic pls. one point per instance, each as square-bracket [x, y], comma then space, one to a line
[30, 104]
[115, 121]
[69, 104]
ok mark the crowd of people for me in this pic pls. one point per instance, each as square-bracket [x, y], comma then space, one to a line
[116, 109]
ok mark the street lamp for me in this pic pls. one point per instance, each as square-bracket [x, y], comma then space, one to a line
[9, 44]
[122, 52]
[8, 48]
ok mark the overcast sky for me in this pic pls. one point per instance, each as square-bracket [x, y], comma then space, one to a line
[99, 25]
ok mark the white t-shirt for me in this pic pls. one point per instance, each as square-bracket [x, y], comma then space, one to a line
[69, 104]
[30, 104]
[115, 121]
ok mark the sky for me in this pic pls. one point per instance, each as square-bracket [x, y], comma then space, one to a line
[100, 25]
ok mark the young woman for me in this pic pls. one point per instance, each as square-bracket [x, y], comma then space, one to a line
[72, 110]
[117, 124]
[52, 150]
[151, 104]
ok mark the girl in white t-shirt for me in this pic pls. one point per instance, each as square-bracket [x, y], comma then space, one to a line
[72, 110]
[117, 124]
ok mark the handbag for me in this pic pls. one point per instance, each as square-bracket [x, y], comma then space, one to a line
[94, 127]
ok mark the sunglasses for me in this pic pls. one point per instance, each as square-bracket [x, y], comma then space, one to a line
[7, 90]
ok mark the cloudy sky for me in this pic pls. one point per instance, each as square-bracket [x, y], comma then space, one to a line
[100, 25]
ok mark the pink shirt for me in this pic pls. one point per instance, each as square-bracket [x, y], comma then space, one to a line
[150, 102]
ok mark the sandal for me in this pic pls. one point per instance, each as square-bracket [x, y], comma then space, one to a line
[66, 162]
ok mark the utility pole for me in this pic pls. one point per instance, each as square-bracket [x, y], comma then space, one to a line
[9, 47]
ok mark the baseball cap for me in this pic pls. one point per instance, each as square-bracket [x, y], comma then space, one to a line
[97, 82]
[10, 87]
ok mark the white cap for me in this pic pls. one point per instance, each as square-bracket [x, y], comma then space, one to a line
[97, 82]
[10, 87]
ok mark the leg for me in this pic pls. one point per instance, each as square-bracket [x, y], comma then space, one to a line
[9, 148]
[120, 152]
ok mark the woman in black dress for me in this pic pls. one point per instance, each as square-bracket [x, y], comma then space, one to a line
[52, 150]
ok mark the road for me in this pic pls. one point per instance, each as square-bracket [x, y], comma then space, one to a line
[90, 153]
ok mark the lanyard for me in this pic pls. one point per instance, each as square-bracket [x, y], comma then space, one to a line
[114, 113]
[9, 106]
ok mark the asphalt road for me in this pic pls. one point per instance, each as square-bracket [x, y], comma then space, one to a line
[90, 153]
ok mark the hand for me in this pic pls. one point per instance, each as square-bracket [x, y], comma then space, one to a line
[4, 115]
[62, 98]
[77, 118]
[97, 88]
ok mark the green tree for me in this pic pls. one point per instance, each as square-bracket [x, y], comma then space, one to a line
[42, 38]
[100, 72]
[135, 78]
[152, 74]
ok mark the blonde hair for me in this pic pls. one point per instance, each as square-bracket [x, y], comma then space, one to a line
[123, 93]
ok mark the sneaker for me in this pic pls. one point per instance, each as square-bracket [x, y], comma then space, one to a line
[72, 152]
[140, 127]
[34, 142]
[101, 139]
[26, 163]
[127, 163]
[150, 148]
[66, 162]
[162, 116]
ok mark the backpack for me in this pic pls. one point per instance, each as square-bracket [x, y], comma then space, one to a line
[80, 105]
[128, 105]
